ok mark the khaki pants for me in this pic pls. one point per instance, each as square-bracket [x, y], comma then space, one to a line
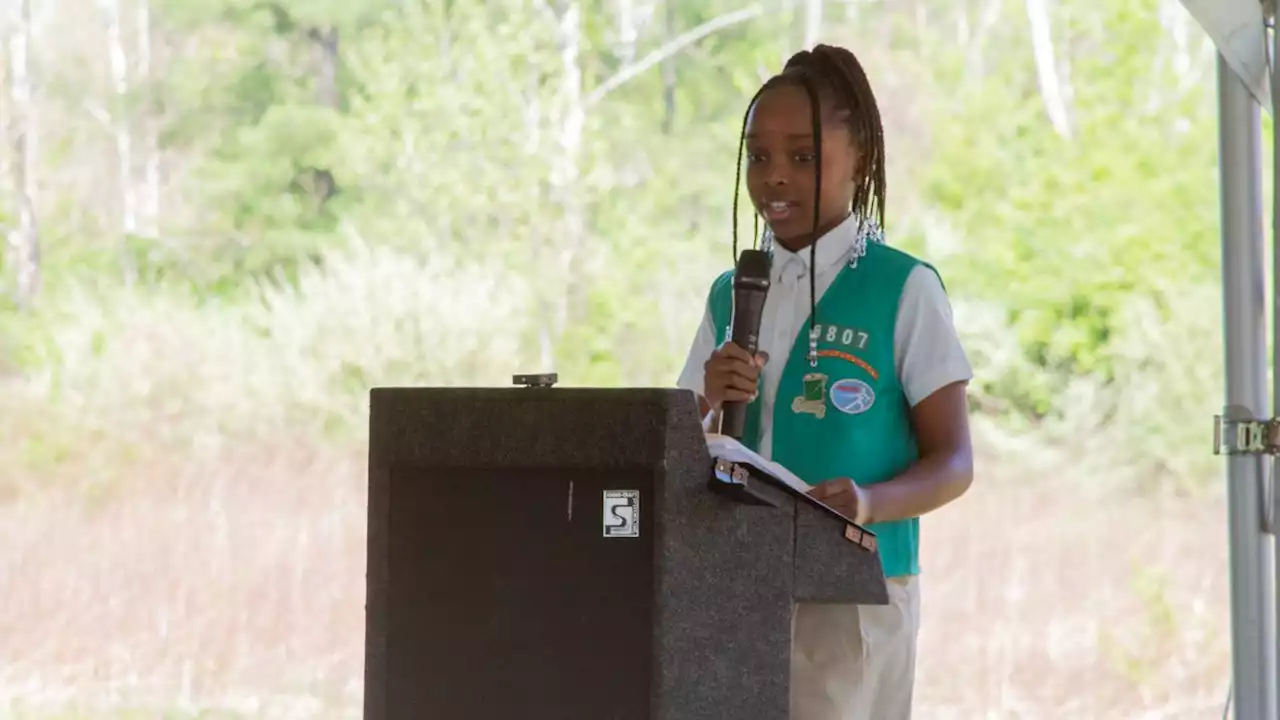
[856, 662]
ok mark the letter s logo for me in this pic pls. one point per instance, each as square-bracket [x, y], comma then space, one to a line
[621, 516]
[617, 519]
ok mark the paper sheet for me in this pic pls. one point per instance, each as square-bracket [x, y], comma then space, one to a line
[724, 447]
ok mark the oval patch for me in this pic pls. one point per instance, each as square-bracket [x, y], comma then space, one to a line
[852, 396]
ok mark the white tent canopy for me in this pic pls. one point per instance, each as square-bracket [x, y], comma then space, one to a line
[1239, 30]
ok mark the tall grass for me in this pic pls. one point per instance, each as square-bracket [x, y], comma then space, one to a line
[1152, 423]
[295, 357]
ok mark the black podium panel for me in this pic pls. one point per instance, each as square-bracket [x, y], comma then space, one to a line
[530, 607]
[555, 554]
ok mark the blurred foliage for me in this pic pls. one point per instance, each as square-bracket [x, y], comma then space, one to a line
[477, 136]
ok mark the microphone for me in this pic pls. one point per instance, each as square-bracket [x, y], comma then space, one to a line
[750, 288]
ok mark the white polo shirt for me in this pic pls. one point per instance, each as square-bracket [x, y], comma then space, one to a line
[927, 351]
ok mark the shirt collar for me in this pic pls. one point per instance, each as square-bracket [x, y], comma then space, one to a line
[832, 248]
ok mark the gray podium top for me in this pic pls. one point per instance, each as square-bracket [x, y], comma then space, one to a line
[493, 545]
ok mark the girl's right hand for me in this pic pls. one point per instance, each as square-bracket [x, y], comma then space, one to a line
[731, 375]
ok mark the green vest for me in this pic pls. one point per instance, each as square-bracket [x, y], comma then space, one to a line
[847, 417]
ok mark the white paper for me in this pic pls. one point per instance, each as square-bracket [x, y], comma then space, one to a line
[723, 447]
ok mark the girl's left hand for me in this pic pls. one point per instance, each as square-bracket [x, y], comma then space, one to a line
[839, 495]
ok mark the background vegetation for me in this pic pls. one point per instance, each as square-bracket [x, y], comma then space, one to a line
[227, 219]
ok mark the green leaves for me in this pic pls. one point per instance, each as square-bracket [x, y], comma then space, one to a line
[1067, 232]
[455, 139]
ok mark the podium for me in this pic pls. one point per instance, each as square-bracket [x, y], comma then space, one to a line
[576, 554]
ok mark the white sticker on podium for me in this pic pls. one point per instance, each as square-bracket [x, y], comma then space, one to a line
[621, 513]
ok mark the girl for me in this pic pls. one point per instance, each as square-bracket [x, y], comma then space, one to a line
[868, 403]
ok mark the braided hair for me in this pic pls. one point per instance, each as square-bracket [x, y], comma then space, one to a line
[833, 77]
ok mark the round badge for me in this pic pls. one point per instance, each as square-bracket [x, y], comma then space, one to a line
[852, 396]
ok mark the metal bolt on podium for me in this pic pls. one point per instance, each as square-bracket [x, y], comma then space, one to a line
[537, 380]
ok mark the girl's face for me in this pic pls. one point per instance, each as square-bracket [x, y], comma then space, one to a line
[781, 166]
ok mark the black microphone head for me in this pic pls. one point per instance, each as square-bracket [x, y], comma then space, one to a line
[750, 288]
[753, 265]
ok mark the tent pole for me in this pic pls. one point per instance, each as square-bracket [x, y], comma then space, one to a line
[1270, 498]
[1244, 309]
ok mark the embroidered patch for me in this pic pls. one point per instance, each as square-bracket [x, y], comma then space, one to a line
[852, 396]
[851, 359]
[811, 398]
